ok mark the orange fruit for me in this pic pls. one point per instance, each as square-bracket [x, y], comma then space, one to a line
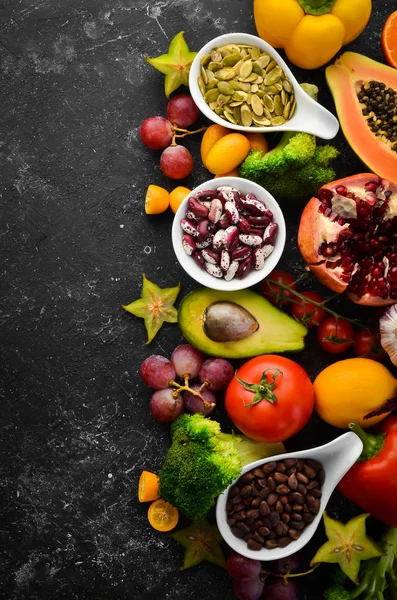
[162, 515]
[257, 141]
[347, 390]
[389, 40]
[148, 487]
[232, 173]
[177, 196]
[157, 200]
[227, 153]
[211, 136]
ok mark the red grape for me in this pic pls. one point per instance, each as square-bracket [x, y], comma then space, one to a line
[182, 111]
[156, 133]
[242, 568]
[276, 589]
[164, 406]
[176, 162]
[187, 361]
[157, 371]
[289, 564]
[250, 589]
[216, 373]
[194, 404]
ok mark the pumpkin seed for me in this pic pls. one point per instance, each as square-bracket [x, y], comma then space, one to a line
[273, 76]
[256, 105]
[255, 52]
[268, 103]
[278, 105]
[245, 86]
[246, 115]
[246, 69]
[225, 88]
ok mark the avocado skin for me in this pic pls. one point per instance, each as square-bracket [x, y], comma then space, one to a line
[278, 332]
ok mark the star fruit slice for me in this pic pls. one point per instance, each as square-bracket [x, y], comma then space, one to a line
[155, 306]
[175, 65]
[347, 545]
[201, 542]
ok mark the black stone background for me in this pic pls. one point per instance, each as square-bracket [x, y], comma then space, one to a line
[75, 425]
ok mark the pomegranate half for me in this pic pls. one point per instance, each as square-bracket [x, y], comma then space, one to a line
[348, 238]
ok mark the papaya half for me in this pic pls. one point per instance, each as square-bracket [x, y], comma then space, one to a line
[365, 95]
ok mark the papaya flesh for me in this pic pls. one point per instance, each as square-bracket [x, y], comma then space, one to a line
[345, 79]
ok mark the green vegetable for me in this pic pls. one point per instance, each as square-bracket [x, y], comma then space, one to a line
[202, 461]
[296, 167]
[337, 592]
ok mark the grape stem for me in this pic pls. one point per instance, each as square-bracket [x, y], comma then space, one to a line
[185, 387]
[322, 305]
[179, 132]
[287, 575]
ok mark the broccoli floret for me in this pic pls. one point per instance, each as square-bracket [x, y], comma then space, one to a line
[201, 462]
[295, 168]
[337, 592]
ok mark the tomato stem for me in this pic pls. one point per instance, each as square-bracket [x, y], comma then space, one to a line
[322, 305]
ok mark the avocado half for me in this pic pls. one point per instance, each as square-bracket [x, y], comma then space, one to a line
[273, 330]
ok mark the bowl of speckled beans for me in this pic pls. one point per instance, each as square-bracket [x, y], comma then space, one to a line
[228, 233]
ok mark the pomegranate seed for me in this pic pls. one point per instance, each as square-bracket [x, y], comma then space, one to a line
[341, 190]
[371, 186]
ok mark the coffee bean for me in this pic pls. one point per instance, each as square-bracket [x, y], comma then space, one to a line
[246, 491]
[264, 509]
[280, 477]
[271, 505]
[237, 533]
[253, 545]
[243, 527]
[284, 541]
[258, 472]
[256, 502]
[269, 467]
[247, 477]
[309, 471]
[271, 484]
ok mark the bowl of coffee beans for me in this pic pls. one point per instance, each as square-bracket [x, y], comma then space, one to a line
[273, 509]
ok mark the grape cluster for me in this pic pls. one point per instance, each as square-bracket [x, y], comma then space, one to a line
[250, 581]
[187, 363]
[158, 133]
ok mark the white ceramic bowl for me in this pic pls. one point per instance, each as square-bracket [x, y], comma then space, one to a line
[187, 262]
[309, 115]
[336, 458]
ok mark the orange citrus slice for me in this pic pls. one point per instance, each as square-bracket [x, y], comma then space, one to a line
[148, 487]
[162, 515]
[157, 200]
[177, 196]
[389, 40]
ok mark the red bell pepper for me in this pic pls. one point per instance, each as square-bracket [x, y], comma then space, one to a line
[371, 483]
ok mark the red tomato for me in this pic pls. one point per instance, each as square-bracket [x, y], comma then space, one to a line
[335, 335]
[367, 344]
[274, 293]
[292, 404]
[306, 312]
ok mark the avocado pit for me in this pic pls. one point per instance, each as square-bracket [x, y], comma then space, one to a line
[228, 322]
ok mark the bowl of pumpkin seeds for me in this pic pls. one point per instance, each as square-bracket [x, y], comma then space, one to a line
[239, 81]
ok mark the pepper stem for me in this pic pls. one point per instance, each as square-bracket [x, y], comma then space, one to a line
[317, 7]
[372, 442]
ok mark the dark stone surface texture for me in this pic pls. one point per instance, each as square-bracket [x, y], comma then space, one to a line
[75, 429]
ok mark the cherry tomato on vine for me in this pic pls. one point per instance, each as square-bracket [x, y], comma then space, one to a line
[270, 399]
[306, 312]
[367, 344]
[335, 335]
[273, 292]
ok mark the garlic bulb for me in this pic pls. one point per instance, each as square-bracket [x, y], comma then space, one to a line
[388, 332]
